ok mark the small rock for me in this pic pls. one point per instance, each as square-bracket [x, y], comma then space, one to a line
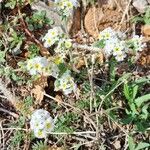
[140, 5]
[117, 145]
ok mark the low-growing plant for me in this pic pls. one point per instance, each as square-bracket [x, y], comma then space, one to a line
[138, 111]
[38, 20]
[39, 146]
[143, 18]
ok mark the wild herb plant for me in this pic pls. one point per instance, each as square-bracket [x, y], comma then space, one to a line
[144, 18]
[38, 20]
[90, 101]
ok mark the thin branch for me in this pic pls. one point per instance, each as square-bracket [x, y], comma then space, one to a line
[10, 113]
[43, 50]
[87, 48]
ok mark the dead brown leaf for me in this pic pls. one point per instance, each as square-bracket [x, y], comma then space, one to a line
[38, 93]
[100, 58]
[80, 63]
[92, 19]
[146, 30]
[42, 81]
[59, 99]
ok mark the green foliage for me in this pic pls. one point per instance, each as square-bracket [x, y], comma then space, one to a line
[10, 73]
[138, 106]
[28, 102]
[17, 138]
[62, 67]
[2, 56]
[38, 20]
[19, 135]
[11, 4]
[39, 146]
[143, 18]
[83, 104]
[33, 50]
[139, 146]
[15, 41]
[64, 122]
[99, 44]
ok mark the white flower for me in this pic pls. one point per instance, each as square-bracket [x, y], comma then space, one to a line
[120, 57]
[68, 43]
[118, 47]
[41, 123]
[42, 66]
[52, 36]
[36, 65]
[107, 34]
[39, 133]
[40, 114]
[65, 83]
[63, 47]
[49, 123]
[65, 7]
[109, 46]
[53, 70]
[136, 43]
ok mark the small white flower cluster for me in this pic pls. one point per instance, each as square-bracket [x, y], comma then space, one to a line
[114, 43]
[63, 47]
[41, 123]
[136, 43]
[65, 83]
[52, 36]
[56, 37]
[65, 7]
[42, 66]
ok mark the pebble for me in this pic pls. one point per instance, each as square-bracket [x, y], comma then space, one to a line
[140, 5]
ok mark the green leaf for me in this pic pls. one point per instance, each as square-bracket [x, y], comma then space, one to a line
[142, 80]
[142, 145]
[141, 126]
[145, 113]
[131, 143]
[142, 99]
[133, 109]
[126, 91]
[135, 90]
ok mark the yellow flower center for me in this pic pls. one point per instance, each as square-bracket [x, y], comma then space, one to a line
[40, 132]
[48, 125]
[117, 49]
[37, 66]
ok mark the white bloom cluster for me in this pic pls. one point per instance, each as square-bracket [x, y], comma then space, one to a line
[114, 43]
[63, 47]
[65, 7]
[57, 37]
[107, 34]
[42, 66]
[136, 43]
[65, 83]
[41, 123]
[52, 36]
